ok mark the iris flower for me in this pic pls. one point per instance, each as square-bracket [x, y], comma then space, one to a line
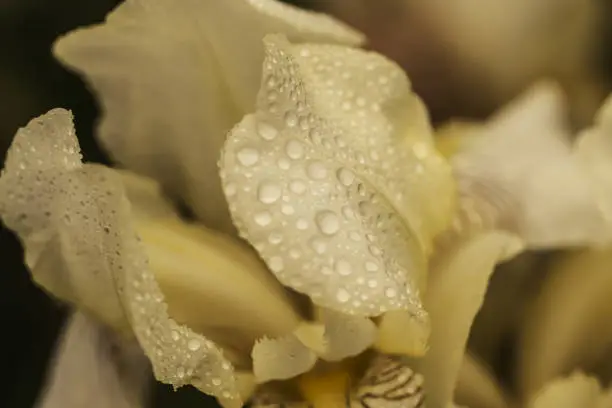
[335, 255]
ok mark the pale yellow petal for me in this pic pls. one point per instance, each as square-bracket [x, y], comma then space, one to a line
[328, 206]
[173, 77]
[86, 214]
[454, 295]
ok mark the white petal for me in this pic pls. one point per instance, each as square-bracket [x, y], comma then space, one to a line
[87, 214]
[280, 359]
[313, 202]
[524, 176]
[93, 367]
[567, 324]
[578, 390]
[174, 76]
[454, 295]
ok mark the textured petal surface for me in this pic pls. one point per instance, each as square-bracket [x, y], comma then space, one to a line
[173, 77]
[85, 211]
[328, 216]
[454, 295]
[524, 176]
[567, 324]
[95, 368]
[347, 335]
[578, 390]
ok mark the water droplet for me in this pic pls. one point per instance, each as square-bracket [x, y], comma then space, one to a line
[316, 170]
[295, 253]
[390, 292]
[268, 192]
[193, 345]
[275, 238]
[318, 245]
[263, 218]
[372, 283]
[342, 295]
[230, 189]
[315, 136]
[371, 266]
[343, 267]
[174, 334]
[374, 250]
[247, 156]
[294, 149]
[328, 222]
[216, 381]
[276, 264]
[266, 131]
[283, 164]
[287, 209]
[291, 119]
[346, 176]
[348, 212]
[297, 186]
[355, 236]
[301, 224]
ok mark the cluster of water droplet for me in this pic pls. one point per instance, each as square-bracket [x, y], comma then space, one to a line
[103, 267]
[308, 187]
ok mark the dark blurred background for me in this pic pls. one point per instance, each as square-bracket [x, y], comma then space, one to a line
[31, 83]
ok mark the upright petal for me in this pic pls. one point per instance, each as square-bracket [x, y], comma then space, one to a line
[526, 177]
[93, 367]
[174, 76]
[454, 295]
[330, 207]
[85, 217]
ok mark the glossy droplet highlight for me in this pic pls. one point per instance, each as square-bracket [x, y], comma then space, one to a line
[342, 295]
[266, 131]
[268, 192]
[343, 267]
[247, 156]
[297, 186]
[294, 149]
[263, 218]
[346, 177]
[328, 222]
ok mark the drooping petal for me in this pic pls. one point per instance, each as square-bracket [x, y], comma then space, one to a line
[524, 176]
[96, 368]
[454, 295]
[173, 77]
[577, 390]
[84, 213]
[329, 208]
[567, 324]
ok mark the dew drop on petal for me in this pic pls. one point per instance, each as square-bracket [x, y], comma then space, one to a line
[342, 295]
[247, 156]
[390, 292]
[193, 345]
[318, 245]
[291, 119]
[343, 267]
[294, 149]
[266, 131]
[301, 224]
[345, 176]
[268, 192]
[371, 266]
[263, 218]
[328, 222]
[297, 186]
